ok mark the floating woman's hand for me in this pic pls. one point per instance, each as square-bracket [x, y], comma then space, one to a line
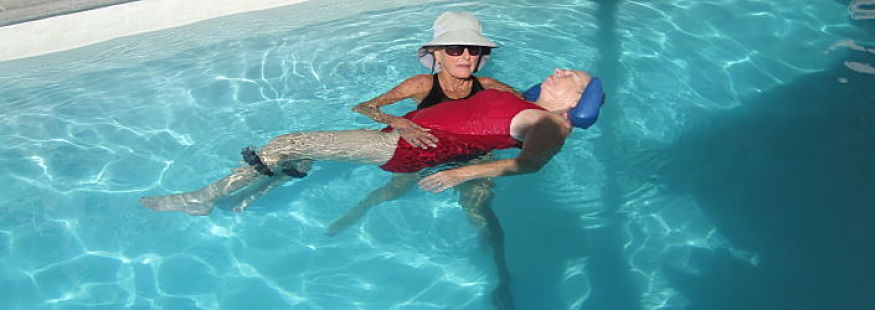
[443, 180]
[413, 133]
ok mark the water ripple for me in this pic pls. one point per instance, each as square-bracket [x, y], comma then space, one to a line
[86, 132]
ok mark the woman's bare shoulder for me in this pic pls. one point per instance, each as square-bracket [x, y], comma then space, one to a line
[414, 87]
[416, 83]
[490, 83]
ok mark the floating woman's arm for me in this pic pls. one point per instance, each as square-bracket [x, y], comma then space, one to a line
[544, 138]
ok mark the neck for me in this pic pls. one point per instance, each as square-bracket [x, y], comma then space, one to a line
[448, 82]
[551, 104]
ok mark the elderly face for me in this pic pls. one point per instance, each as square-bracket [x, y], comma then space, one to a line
[566, 85]
[461, 66]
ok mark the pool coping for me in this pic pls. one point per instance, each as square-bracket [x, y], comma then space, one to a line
[21, 11]
[60, 25]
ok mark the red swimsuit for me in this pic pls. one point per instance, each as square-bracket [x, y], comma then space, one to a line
[465, 127]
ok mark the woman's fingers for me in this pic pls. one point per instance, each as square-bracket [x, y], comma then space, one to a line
[419, 138]
[428, 139]
[417, 141]
[414, 134]
[412, 141]
[432, 185]
[438, 182]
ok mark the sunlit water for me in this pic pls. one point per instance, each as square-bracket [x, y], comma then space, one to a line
[732, 167]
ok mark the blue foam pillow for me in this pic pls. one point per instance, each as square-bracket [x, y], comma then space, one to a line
[586, 112]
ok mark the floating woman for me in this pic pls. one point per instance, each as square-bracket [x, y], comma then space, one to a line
[490, 120]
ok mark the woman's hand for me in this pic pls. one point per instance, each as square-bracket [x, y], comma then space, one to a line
[443, 180]
[413, 133]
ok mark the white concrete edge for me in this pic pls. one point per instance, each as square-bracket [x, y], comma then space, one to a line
[64, 32]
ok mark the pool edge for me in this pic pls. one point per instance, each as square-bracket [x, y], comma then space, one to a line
[69, 30]
[24, 11]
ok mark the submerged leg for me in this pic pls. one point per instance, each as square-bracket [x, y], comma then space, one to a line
[363, 146]
[298, 169]
[475, 198]
[397, 186]
[200, 202]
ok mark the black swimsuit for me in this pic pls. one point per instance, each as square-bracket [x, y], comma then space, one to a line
[436, 94]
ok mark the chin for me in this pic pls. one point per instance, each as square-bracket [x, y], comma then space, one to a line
[462, 73]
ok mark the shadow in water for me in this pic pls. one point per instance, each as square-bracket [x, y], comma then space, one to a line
[613, 286]
[789, 175]
[544, 238]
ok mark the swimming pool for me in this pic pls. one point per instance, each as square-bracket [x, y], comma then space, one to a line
[732, 167]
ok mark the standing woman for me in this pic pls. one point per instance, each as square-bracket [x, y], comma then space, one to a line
[457, 50]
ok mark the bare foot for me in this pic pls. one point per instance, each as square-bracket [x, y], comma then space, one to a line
[185, 202]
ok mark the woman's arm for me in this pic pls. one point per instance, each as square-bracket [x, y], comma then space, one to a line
[543, 139]
[415, 87]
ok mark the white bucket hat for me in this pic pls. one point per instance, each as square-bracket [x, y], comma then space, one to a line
[454, 28]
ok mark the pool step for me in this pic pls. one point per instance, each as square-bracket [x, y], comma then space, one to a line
[862, 9]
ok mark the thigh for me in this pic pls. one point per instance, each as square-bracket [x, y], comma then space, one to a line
[362, 146]
[476, 194]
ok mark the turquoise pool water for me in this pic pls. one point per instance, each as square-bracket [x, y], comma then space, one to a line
[732, 167]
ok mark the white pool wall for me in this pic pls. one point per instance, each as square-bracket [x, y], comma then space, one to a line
[64, 32]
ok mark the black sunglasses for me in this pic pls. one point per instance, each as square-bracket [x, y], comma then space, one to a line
[457, 50]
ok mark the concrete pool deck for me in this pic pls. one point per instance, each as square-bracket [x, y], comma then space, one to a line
[19, 11]
[31, 28]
